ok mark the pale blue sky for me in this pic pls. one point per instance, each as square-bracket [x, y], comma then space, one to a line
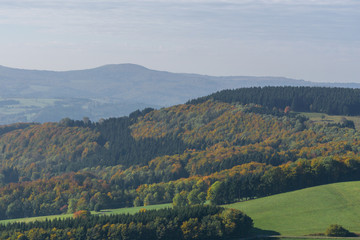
[315, 40]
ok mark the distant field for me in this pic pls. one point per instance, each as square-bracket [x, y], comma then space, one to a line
[133, 210]
[33, 219]
[130, 210]
[307, 211]
[25, 104]
[22, 109]
[324, 118]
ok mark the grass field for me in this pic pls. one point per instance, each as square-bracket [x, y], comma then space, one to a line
[133, 210]
[324, 118]
[130, 210]
[307, 211]
[33, 219]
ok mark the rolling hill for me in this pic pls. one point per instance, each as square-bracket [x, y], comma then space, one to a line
[187, 154]
[219, 151]
[111, 91]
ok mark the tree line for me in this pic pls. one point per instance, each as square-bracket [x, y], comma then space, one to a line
[333, 101]
[84, 191]
[197, 222]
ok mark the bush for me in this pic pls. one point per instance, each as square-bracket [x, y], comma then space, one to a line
[336, 230]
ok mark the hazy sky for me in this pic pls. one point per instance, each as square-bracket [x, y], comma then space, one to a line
[315, 40]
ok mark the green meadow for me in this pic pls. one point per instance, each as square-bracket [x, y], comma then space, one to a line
[307, 211]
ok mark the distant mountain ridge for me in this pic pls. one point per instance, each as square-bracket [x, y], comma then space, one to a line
[118, 88]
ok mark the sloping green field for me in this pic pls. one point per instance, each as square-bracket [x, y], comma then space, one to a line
[307, 211]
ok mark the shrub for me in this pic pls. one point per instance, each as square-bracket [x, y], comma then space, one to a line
[335, 230]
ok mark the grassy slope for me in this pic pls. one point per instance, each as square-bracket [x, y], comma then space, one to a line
[307, 211]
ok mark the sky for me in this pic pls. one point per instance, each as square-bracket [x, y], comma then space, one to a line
[314, 40]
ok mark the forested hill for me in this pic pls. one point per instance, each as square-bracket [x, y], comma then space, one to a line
[335, 101]
[185, 154]
[112, 91]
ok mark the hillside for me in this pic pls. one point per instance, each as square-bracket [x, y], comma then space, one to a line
[185, 154]
[112, 91]
[128, 82]
[307, 211]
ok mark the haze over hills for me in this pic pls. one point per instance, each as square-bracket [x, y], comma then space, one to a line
[112, 91]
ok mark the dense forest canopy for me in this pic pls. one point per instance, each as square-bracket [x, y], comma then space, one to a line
[214, 151]
[336, 101]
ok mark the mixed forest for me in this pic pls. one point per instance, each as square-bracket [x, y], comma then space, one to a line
[337, 101]
[196, 222]
[231, 146]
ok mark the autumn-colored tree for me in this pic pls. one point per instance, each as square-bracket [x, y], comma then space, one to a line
[81, 214]
[190, 229]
